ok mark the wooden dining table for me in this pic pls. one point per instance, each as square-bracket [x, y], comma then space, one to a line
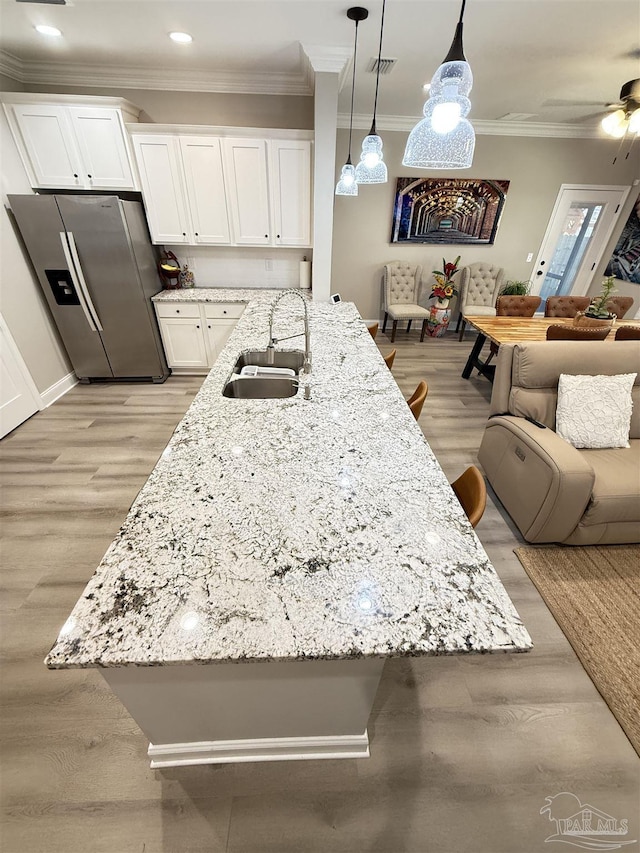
[515, 330]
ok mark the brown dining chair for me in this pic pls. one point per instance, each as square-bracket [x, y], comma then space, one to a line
[416, 400]
[388, 359]
[373, 330]
[471, 491]
[628, 333]
[517, 306]
[577, 333]
[619, 305]
[565, 306]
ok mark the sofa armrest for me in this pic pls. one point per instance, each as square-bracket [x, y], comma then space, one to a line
[543, 482]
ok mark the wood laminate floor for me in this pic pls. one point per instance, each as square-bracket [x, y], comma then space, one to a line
[464, 749]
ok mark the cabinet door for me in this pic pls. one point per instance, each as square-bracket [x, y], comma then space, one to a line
[184, 342]
[290, 190]
[162, 188]
[202, 161]
[218, 332]
[100, 136]
[49, 145]
[245, 166]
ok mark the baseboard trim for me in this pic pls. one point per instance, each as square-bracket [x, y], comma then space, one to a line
[260, 749]
[58, 389]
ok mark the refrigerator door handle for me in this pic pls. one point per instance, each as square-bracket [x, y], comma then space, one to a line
[74, 278]
[82, 282]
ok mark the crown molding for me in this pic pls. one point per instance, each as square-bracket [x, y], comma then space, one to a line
[11, 66]
[328, 59]
[164, 79]
[488, 128]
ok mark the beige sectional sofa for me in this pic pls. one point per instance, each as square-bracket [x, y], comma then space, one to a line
[552, 491]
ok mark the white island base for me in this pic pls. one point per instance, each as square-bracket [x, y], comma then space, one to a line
[235, 712]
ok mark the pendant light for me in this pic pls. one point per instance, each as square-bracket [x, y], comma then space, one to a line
[372, 169]
[347, 184]
[444, 138]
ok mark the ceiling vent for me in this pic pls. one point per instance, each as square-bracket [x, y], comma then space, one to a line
[47, 2]
[386, 65]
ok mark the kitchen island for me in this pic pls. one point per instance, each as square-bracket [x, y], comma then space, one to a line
[280, 551]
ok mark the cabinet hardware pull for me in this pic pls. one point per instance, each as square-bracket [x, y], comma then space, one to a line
[177, 310]
[266, 235]
[75, 175]
[184, 233]
[198, 326]
[209, 326]
[89, 176]
[278, 236]
[196, 233]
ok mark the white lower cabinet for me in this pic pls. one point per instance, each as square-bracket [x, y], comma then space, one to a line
[194, 333]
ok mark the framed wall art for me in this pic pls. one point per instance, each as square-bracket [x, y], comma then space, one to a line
[447, 210]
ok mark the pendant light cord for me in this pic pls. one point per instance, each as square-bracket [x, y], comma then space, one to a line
[464, 3]
[375, 102]
[353, 88]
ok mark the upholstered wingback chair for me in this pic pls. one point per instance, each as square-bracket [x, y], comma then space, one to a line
[480, 285]
[401, 295]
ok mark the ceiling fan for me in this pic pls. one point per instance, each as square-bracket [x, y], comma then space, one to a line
[620, 117]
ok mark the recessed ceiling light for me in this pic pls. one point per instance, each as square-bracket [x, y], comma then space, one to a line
[182, 38]
[48, 31]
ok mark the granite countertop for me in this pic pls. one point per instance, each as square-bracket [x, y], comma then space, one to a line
[293, 529]
[221, 294]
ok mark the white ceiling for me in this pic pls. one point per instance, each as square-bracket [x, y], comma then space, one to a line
[523, 53]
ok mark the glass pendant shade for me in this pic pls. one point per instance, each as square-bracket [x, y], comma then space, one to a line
[347, 184]
[444, 138]
[371, 169]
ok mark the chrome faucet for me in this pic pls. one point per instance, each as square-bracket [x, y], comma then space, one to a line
[307, 337]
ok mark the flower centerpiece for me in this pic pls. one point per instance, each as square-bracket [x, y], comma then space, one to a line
[597, 313]
[444, 289]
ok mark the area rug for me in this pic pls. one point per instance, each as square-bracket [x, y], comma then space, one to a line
[594, 596]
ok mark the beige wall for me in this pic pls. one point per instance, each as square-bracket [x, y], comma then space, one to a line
[207, 108]
[21, 301]
[535, 167]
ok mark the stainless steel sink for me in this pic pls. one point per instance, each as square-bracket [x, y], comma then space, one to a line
[292, 359]
[260, 388]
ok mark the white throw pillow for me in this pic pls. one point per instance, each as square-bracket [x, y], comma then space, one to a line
[595, 411]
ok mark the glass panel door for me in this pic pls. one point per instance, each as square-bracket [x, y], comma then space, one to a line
[578, 231]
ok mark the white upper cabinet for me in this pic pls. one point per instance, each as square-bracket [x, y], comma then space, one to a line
[206, 193]
[245, 162]
[101, 139]
[290, 185]
[219, 190]
[158, 160]
[79, 143]
[47, 140]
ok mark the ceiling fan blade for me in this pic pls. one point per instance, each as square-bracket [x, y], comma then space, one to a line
[560, 102]
[590, 116]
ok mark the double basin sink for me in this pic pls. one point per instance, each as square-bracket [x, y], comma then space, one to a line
[266, 387]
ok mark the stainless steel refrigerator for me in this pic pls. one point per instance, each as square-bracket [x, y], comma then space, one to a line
[98, 271]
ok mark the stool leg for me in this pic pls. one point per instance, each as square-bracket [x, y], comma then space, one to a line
[424, 329]
[393, 330]
[408, 326]
[384, 323]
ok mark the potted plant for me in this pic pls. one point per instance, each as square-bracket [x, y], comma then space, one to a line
[597, 313]
[515, 288]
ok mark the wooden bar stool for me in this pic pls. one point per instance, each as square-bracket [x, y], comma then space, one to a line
[416, 400]
[388, 359]
[471, 491]
[373, 330]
